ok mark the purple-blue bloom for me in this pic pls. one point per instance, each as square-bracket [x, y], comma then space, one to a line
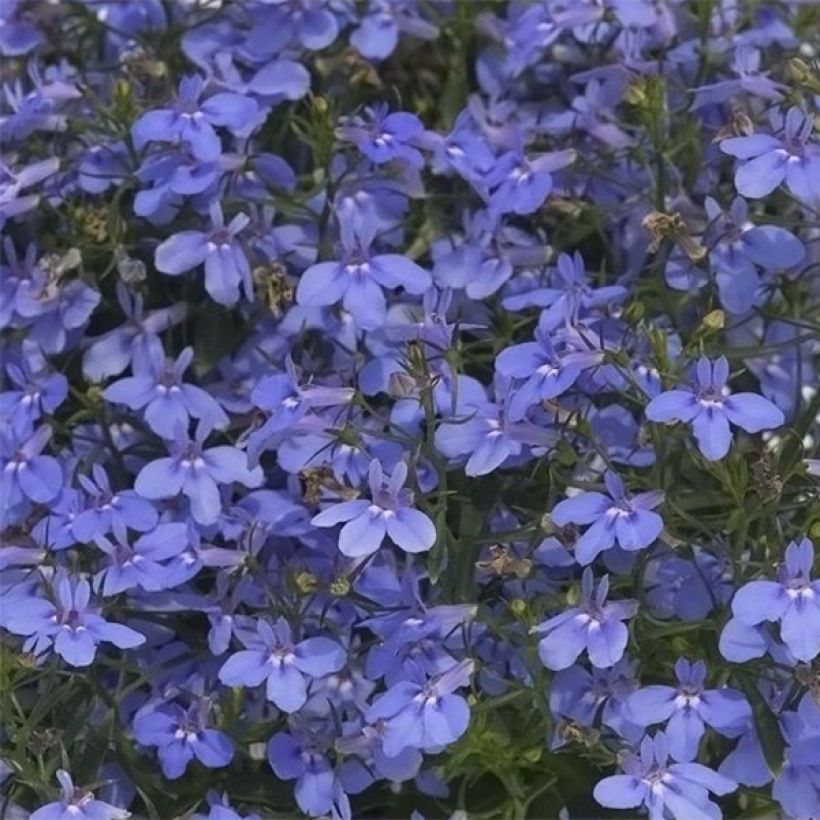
[286, 666]
[157, 388]
[423, 714]
[793, 601]
[77, 804]
[71, 625]
[192, 120]
[388, 513]
[770, 160]
[357, 278]
[680, 791]
[182, 735]
[709, 408]
[595, 625]
[616, 518]
[226, 266]
[688, 708]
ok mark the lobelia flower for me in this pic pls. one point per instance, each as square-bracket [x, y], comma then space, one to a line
[627, 521]
[357, 279]
[793, 601]
[226, 265]
[105, 509]
[36, 391]
[18, 35]
[168, 176]
[296, 756]
[709, 408]
[181, 735]
[167, 401]
[423, 713]
[594, 625]
[77, 804]
[13, 201]
[487, 437]
[384, 137]
[750, 79]
[688, 708]
[72, 624]
[287, 401]
[769, 161]
[583, 695]
[56, 310]
[737, 248]
[547, 372]
[272, 656]
[571, 298]
[795, 787]
[378, 32]
[192, 122]
[678, 790]
[590, 112]
[487, 256]
[141, 564]
[26, 472]
[387, 513]
[196, 472]
[371, 764]
[277, 25]
[109, 354]
[522, 183]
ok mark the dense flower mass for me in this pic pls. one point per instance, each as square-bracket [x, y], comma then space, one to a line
[409, 409]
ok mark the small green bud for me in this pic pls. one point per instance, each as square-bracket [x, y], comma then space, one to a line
[340, 587]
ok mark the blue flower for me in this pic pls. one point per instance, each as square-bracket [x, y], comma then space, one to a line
[423, 714]
[110, 353]
[77, 804]
[25, 473]
[583, 695]
[688, 707]
[181, 735]
[288, 667]
[36, 391]
[308, 22]
[384, 137]
[770, 160]
[143, 564]
[72, 624]
[192, 122]
[297, 756]
[378, 32]
[749, 79]
[546, 372]
[594, 625]
[795, 787]
[157, 388]
[616, 518]
[196, 472]
[523, 183]
[710, 408]
[571, 298]
[105, 508]
[678, 790]
[737, 248]
[357, 279]
[793, 601]
[287, 401]
[226, 265]
[387, 513]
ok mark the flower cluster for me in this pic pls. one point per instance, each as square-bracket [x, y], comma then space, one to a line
[409, 408]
